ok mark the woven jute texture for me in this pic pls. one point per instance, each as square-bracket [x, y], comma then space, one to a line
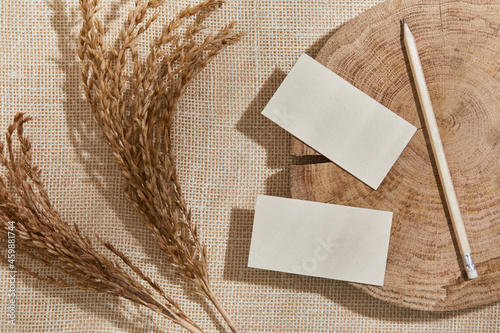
[227, 154]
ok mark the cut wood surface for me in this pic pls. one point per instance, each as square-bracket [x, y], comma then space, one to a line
[459, 46]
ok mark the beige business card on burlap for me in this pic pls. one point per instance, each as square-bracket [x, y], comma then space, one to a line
[339, 121]
[322, 240]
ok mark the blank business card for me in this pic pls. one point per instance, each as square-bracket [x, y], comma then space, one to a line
[339, 121]
[322, 240]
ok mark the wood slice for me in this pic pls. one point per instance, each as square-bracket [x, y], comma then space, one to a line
[459, 46]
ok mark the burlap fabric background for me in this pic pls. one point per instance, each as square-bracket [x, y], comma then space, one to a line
[227, 154]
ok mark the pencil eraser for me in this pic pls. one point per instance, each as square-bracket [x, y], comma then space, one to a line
[472, 274]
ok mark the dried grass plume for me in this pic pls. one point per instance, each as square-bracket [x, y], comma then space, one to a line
[41, 234]
[133, 101]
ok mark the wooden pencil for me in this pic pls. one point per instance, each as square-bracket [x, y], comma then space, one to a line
[438, 152]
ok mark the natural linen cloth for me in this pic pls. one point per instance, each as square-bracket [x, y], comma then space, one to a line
[227, 154]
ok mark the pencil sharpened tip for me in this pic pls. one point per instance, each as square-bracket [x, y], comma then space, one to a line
[404, 21]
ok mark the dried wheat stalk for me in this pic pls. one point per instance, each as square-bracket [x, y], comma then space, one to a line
[134, 109]
[43, 235]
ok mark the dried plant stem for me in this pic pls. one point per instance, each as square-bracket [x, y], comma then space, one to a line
[190, 327]
[222, 311]
[135, 109]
